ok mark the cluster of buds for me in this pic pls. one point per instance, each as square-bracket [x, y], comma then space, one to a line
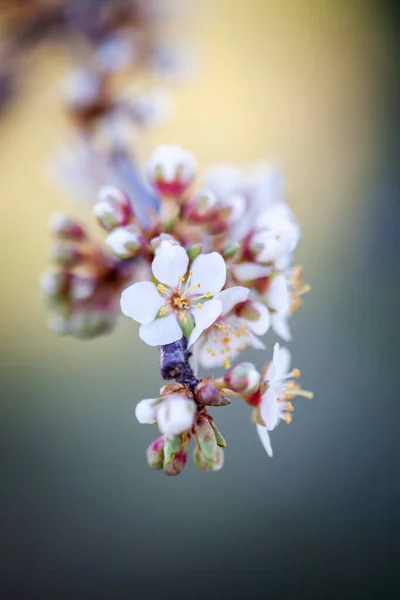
[83, 288]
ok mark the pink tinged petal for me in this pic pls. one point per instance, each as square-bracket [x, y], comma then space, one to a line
[141, 302]
[204, 318]
[232, 296]
[281, 327]
[264, 437]
[145, 411]
[170, 263]
[249, 271]
[164, 330]
[263, 323]
[270, 409]
[282, 360]
[209, 270]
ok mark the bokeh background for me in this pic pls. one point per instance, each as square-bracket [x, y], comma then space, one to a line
[312, 86]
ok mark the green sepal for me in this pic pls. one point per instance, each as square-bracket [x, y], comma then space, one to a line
[218, 436]
[195, 251]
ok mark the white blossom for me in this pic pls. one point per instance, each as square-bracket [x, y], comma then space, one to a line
[179, 298]
[278, 300]
[171, 169]
[276, 401]
[232, 332]
[173, 414]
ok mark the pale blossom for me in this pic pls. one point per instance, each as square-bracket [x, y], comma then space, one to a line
[171, 170]
[276, 235]
[173, 414]
[181, 300]
[276, 403]
[237, 327]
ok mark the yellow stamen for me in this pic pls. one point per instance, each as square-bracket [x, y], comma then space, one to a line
[288, 418]
[199, 305]
[208, 294]
[161, 288]
[227, 364]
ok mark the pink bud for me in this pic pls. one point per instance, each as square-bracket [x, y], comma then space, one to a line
[243, 378]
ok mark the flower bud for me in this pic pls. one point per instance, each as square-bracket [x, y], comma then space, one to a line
[205, 437]
[66, 228]
[175, 456]
[81, 288]
[156, 242]
[201, 464]
[113, 208]
[66, 255]
[206, 393]
[54, 285]
[201, 205]
[155, 454]
[171, 170]
[243, 378]
[195, 251]
[124, 241]
[231, 249]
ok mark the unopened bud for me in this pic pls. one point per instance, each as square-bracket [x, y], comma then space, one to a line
[201, 205]
[171, 170]
[81, 287]
[243, 378]
[206, 439]
[66, 228]
[195, 251]
[113, 208]
[230, 249]
[175, 456]
[201, 464]
[156, 242]
[54, 285]
[124, 241]
[66, 255]
[155, 454]
[206, 393]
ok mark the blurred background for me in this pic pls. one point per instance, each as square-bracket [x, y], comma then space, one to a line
[310, 85]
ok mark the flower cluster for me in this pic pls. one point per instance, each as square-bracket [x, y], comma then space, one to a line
[212, 272]
[204, 265]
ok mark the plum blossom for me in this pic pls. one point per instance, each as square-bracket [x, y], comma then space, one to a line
[180, 300]
[236, 328]
[276, 402]
[173, 414]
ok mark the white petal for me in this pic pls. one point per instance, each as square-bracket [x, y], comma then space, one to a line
[281, 359]
[161, 331]
[175, 415]
[263, 323]
[209, 270]
[249, 271]
[264, 437]
[281, 327]
[206, 359]
[141, 301]
[270, 409]
[232, 296]
[278, 295]
[254, 342]
[170, 263]
[204, 318]
[146, 412]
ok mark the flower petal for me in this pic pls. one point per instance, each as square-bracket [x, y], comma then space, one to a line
[170, 263]
[278, 295]
[248, 271]
[204, 318]
[161, 331]
[232, 296]
[281, 327]
[209, 270]
[141, 302]
[270, 409]
[175, 415]
[145, 411]
[262, 324]
[282, 359]
[264, 437]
